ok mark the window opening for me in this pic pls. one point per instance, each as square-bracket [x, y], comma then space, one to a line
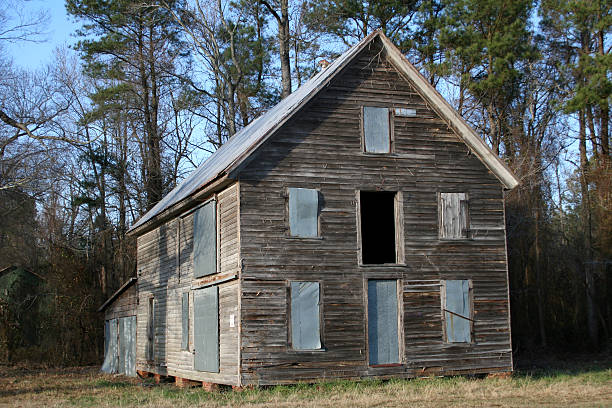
[378, 221]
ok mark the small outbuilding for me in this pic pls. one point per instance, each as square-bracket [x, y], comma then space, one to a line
[120, 330]
[355, 230]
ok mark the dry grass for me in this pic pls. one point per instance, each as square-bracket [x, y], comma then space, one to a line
[84, 387]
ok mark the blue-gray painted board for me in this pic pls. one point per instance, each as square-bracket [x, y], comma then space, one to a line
[185, 322]
[458, 329]
[206, 329]
[205, 240]
[127, 346]
[383, 339]
[305, 317]
[111, 357]
[376, 129]
[303, 212]
[108, 356]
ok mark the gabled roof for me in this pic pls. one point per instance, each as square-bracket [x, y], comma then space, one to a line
[240, 146]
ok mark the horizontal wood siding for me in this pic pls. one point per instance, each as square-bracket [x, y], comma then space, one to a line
[124, 305]
[321, 148]
[165, 264]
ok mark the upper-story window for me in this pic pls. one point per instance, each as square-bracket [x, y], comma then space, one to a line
[376, 130]
[454, 219]
[205, 240]
[380, 227]
[303, 212]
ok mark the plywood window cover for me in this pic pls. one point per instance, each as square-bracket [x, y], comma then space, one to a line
[288, 212]
[210, 266]
[444, 311]
[463, 215]
[290, 320]
[390, 130]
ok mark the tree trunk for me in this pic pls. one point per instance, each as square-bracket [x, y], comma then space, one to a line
[586, 215]
[283, 40]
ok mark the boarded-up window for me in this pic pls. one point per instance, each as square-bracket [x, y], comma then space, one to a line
[383, 339]
[305, 316]
[150, 328]
[376, 130]
[454, 216]
[303, 212]
[205, 240]
[185, 322]
[206, 329]
[458, 311]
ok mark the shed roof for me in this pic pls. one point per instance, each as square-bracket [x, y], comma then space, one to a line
[115, 295]
[240, 146]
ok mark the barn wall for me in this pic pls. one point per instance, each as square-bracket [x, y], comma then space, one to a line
[124, 305]
[165, 264]
[321, 148]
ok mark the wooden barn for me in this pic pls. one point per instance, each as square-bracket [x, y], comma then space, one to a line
[354, 230]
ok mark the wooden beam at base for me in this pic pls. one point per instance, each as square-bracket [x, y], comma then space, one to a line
[210, 387]
[142, 374]
[501, 374]
[185, 383]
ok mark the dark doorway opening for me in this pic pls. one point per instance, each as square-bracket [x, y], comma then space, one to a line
[378, 227]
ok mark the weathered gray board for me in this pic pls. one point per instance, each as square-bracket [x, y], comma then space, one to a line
[303, 212]
[127, 346]
[376, 129]
[305, 330]
[120, 346]
[185, 321]
[383, 340]
[458, 303]
[206, 329]
[205, 240]
[110, 347]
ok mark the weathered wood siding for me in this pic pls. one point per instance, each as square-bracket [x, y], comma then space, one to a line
[321, 148]
[165, 265]
[124, 305]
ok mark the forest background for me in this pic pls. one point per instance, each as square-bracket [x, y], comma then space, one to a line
[94, 139]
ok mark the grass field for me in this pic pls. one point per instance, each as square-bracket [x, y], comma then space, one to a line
[586, 385]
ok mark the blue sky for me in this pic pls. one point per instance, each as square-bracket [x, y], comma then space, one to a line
[59, 32]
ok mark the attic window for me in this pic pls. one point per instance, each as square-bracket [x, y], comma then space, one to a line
[376, 130]
[379, 215]
[453, 209]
